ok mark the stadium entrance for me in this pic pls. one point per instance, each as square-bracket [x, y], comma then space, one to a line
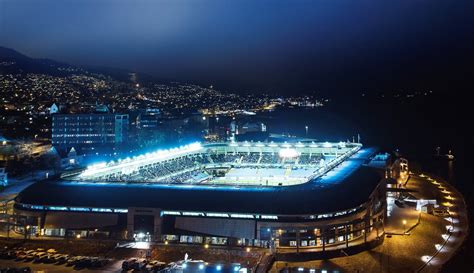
[143, 227]
[143, 224]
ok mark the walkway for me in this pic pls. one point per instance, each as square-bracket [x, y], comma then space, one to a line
[429, 245]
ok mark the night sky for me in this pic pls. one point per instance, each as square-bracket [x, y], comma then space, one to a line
[272, 46]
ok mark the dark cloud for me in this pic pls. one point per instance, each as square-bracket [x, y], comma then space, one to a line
[274, 45]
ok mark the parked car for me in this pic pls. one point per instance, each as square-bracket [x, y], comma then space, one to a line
[441, 212]
[130, 264]
[39, 257]
[156, 265]
[73, 260]
[399, 203]
[63, 258]
[49, 259]
[98, 262]
[83, 263]
[30, 256]
[54, 257]
[20, 255]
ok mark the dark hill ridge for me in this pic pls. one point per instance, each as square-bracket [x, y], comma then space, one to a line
[14, 62]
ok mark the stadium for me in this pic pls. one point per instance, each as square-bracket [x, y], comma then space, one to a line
[292, 196]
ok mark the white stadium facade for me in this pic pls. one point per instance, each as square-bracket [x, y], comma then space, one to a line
[300, 196]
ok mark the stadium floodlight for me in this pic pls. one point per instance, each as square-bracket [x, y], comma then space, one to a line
[129, 163]
[327, 145]
[288, 153]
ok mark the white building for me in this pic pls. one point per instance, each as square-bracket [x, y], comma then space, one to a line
[53, 109]
[3, 177]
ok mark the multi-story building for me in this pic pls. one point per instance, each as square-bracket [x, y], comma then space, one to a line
[89, 131]
[148, 119]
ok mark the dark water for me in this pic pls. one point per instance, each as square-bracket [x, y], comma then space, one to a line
[415, 128]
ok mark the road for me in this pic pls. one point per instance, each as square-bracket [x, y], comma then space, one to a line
[425, 248]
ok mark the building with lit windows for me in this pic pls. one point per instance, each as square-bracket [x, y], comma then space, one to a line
[89, 132]
[291, 196]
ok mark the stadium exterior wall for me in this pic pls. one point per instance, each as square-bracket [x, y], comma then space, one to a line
[362, 223]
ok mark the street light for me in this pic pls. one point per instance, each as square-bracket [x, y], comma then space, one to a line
[306, 128]
[404, 224]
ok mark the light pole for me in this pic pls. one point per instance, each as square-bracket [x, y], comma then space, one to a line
[306, 129]
[404, 225]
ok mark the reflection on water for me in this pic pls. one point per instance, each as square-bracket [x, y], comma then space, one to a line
[450, 177]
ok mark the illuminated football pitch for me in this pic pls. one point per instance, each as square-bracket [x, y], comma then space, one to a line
[235, 164]
[263, 176]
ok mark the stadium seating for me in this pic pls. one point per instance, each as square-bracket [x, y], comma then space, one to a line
[192, 168]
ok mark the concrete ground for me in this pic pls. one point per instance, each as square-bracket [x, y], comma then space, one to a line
[425, 248]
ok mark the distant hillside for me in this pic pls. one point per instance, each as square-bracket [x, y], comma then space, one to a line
[14, 62]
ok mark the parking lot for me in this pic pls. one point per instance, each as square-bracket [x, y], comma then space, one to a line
[41, 260]
[114, 266]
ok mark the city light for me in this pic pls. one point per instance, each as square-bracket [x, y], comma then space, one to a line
[426, 258]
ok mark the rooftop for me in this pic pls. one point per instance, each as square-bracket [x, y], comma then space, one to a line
[347, 186]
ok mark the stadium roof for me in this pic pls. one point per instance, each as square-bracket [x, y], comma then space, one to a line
[347, 186]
